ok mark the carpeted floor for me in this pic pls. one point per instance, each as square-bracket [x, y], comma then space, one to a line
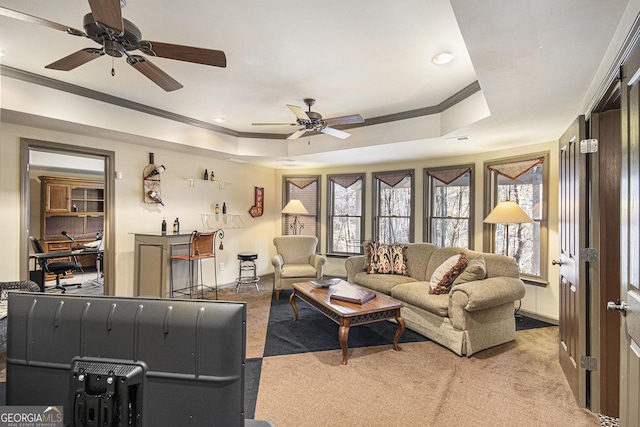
[298, 379]
[294, 374]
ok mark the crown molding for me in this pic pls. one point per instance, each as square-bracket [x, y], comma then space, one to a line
[37, 79]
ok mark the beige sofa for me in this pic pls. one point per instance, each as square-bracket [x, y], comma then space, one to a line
[473, 316]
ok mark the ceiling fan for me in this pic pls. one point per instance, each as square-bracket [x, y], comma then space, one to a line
[312, 121]
[118, 37]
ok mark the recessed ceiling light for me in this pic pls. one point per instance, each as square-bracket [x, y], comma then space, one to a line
[219, 119]
[1, 53]
[443, 58]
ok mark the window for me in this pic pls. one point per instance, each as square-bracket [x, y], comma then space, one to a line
[393, 206]
[449, 206]
[524, 181]
[345, 220]
[307, 190]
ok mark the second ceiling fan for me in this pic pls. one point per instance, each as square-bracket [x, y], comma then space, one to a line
[312, 121]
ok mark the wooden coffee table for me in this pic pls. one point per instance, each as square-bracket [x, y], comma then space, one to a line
[348, 314]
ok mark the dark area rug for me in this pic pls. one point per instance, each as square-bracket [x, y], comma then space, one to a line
[313, 331]
[523, 323]
[251, 385]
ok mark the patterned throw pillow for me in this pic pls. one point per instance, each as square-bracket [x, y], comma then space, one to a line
[398, 259]
[385, 259]
[444, 285]
[379, 261]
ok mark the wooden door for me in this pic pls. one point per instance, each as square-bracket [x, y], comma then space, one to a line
[604, 274]
[630, 243]
[573, 181]
[57, 198]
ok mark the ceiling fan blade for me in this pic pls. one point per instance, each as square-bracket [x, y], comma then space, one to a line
[108, 13]
[155, 74]
[297, 134]
[76, 59]
[335, 132]
[344, 120]
[274, 124]
[35, 20]
[299, 112]
[197, 55]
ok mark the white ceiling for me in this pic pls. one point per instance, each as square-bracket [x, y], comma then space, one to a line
[535, 62]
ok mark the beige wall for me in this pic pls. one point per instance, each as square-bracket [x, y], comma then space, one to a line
[539, 300]
[132, 215]
[186, 202]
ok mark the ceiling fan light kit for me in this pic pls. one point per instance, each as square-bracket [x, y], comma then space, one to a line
[118, 37]
[313, 121]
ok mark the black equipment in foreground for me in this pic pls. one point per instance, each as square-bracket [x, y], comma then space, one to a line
[118, 361]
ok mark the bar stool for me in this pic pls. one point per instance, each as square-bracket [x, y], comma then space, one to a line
[201, 246]
[247, 270]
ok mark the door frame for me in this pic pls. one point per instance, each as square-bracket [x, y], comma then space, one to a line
[27, 144]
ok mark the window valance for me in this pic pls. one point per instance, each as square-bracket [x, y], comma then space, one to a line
[345, 181]
[301, 181]
[516, 169]
[392, 178]
[447, 176]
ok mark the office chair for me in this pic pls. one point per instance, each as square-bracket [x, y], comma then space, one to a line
[54, 267]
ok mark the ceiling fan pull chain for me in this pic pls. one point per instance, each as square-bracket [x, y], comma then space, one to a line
[113, 67]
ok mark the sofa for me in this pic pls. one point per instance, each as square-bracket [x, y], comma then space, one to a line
[470, 316]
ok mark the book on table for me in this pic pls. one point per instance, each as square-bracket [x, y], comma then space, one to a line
[345, 291]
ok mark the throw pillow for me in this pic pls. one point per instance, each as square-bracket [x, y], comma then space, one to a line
[476, 270]
[444, 285]
[439, 272]
[369, 249]
[398, 259]
[380, 262]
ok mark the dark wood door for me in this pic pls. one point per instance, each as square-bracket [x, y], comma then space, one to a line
[573, 180]
[630, 243]
[604, 273]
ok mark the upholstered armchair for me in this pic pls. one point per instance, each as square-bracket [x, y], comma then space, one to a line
[295, 261]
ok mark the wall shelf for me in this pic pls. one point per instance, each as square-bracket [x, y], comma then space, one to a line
[220, 183]
[228, 220]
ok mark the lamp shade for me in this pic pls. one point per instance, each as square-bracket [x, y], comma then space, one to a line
[295, 207]
[508, 212]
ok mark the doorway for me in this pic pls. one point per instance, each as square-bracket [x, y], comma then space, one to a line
[84, 177]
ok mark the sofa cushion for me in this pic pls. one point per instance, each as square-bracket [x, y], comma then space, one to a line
[381, 282]
[298, 270]
[417, 294]
[475, 270]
